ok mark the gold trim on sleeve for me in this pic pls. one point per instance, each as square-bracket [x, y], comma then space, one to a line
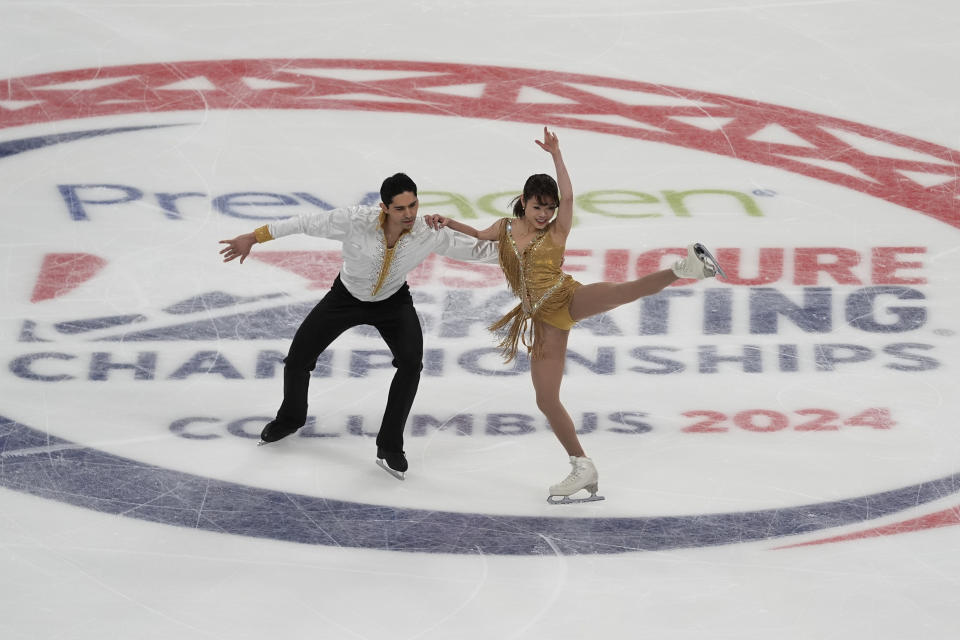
[263, 234]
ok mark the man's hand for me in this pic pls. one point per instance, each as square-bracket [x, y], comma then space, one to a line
[238, 247]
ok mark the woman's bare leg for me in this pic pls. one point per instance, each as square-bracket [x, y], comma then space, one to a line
[591, 299]
[547, 374]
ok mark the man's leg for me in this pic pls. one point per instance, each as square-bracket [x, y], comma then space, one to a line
[402, 332]
[334, 314]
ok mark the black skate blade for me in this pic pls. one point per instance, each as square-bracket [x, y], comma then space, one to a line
[702, 251]
[396, 474]
[568, 500]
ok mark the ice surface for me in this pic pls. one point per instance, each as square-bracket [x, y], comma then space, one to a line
[777, 452]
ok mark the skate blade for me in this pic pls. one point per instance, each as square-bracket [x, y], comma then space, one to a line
[702, 252]
[262, 442]
[568, 500]
[396, 474]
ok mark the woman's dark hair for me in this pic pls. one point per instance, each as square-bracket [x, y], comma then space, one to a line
[394, 186]
[539, 186]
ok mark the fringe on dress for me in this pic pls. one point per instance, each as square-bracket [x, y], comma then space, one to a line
[536, 278]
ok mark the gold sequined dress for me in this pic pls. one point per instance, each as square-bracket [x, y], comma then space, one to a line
[545, 291]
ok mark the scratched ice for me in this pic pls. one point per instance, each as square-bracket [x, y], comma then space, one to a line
[776, 450]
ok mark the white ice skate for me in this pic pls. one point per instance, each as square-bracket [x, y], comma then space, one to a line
[582, 476]
[698, 264]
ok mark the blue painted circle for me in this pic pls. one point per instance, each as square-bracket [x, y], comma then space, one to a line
[33, 462]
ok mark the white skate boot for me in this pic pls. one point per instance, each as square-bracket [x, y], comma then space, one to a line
[698, 264]
[582, 476]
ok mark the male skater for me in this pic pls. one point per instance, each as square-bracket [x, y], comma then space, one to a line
[381, 245]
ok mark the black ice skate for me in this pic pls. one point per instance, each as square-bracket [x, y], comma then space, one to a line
[396, 462]
[275, 430]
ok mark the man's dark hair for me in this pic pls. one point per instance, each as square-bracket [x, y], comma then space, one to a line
[395, 185]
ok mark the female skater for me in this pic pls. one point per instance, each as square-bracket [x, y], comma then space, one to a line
[531, 248]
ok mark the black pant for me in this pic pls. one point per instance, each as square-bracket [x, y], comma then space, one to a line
[398, 324]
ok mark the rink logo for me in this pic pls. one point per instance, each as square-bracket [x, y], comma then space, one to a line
[872, 296]
[85, 202]
[880, 291]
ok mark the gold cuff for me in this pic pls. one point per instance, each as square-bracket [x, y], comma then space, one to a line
[262, 234]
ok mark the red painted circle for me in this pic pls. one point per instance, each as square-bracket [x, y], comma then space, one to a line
[912, 173]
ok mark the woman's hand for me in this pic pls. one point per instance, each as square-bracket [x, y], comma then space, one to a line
[435, 221]
[550, 144]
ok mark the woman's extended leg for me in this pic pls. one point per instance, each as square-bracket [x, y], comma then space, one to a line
[547, 374]
[591, 299]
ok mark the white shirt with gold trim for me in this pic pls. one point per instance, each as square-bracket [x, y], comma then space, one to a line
[371, 271]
